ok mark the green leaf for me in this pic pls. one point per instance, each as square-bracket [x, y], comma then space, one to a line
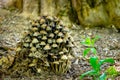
[93, 50]
[86, 51]
[91, 72]
[94, 63]
[109, 60]
[111, 71]
[102, 77]
[87, 42]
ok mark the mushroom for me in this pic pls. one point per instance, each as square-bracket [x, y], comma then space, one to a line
[36, 34]
[60, 34]
[43, 26]
[42, 21]
[44, 38]
[34, 29]
[47, 47]
[64, 57]
[26, 45]
[49, 41]
[42, 43]
[51, 35]
[33, 49]
[35, 40]
[59, 40]
[48, 28]
[43, 32]
[54, 45]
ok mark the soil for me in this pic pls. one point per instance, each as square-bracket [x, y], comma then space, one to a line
[12, 25]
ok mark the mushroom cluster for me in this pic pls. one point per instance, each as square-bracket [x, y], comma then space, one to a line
[48, 40]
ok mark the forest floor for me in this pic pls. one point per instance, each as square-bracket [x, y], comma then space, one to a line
[12, 26]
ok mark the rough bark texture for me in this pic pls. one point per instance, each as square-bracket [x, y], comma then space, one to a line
[85, 12]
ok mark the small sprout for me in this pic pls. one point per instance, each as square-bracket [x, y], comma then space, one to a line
[35, 40]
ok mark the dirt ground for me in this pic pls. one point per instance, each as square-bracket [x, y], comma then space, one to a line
[12, 25]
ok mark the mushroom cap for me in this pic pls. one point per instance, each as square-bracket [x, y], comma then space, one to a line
[56, 62]
[60, 34]
[59, 40]
[48, 28]
[49, 41]
[42, 21]
[61, 52]
[37, 46]
[26, 45]
[33, 49]
[36, 34]
[44, 38]
[42, 43]
[64, 57]
[56, 31]
[44, 26]
[43, 32]
[54, 45]
[34, 29]
[51, 35]
[47, 47]
[65, 50]
[27, 39]
[35, 40]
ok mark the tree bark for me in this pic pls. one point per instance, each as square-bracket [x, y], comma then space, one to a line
[84, 12]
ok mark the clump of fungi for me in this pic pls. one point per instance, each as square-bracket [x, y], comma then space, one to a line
[45, 46]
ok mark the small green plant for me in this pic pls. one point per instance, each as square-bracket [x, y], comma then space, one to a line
[94, 61]
[90, 44]
[111, 72]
